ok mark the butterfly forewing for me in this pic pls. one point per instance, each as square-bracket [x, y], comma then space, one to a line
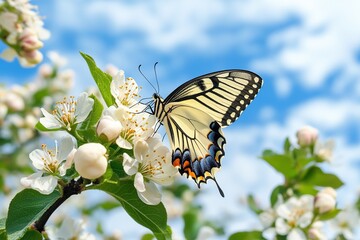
[223, 95]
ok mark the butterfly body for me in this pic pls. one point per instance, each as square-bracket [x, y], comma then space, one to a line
[194, 114]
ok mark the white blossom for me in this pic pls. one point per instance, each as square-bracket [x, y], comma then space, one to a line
[69, 229]
[68, 112]
[152, 164]
[49, 164]
[324, 150]
[134, 126]
[346, 222]
[125, 91]
[294, 214]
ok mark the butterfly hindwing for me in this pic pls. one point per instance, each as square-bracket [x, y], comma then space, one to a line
[197, 142]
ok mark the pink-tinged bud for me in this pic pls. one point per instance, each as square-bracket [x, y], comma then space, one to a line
[29, 40]
[307, 136]
[90, 160]
[108, 128]
[325, 200]
[29, 58]
[314, 232]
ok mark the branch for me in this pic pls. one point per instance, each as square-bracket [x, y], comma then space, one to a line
[72, 188]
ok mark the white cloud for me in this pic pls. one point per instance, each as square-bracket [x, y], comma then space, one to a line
[321, 42]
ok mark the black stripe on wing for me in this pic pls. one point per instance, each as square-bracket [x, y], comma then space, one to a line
[223, 95]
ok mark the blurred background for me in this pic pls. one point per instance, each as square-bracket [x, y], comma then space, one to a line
[307, 52]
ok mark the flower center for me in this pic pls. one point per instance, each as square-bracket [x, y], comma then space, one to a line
[51, 164]
[128, 134]
[130, 91]
[65, 110]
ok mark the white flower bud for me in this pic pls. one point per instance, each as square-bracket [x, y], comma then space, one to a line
[90, 160]
[325, 200]
[45, 70]
[8, 21]
[14, 101]
[307, 136]
[108, 128]
[30, 58]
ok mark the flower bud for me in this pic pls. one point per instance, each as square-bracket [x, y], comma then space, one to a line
[14, 101]
[307, 136]
[8, 21]
[314, 232]
[108, 128]
[90, 160]
[325, 200]
[29, 58]
[29, 40]
[46, 70]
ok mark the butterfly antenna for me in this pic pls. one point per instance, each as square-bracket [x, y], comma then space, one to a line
[139, 68]
[156, 78]
[219, 188]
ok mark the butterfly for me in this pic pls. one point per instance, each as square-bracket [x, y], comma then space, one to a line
[195, 113]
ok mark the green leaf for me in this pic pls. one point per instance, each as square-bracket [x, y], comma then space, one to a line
[287, 146]
[32, 235]
[282, 163]
[316, 177]
[247, 236]
[2, 229]
[148, 236]
[191, 223]
[117, 168]
[94, 115]
[253, 205]
[329, 215]
[279, 190]
[101, 78]
[303, 188]
[152, 217]
[25, 208]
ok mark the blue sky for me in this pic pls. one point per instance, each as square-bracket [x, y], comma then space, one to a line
[308, 53]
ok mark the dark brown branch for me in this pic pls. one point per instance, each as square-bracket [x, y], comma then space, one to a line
[72, 188]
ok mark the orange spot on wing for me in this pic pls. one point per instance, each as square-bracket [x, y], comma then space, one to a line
[176, 162]
[186, 164]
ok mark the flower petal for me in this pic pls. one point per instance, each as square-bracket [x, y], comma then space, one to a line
[45, 185]
[296, 234]
[38, 158]
[28, 181]
[123, 143]
[49, 121]
[281, 226]
[139, 182]
[151, 195]
[84, 107]
[66, 145]
[130, 164]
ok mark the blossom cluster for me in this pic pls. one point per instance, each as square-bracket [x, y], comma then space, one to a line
[123, 126]
[21, 29]
[20, 104]
[299, 217]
